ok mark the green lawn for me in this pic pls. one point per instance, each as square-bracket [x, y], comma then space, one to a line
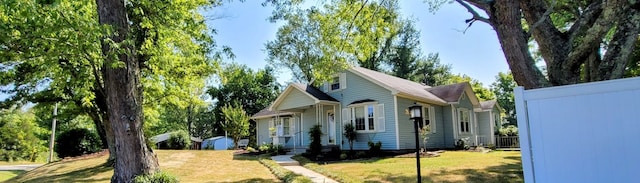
[187, 165]
[6, 175]
[451, 166]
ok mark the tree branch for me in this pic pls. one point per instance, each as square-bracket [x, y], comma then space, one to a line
[587, 18]
[620, 47]
[594, 35]
[473, 12]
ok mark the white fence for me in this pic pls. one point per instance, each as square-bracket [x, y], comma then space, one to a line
[581, 133]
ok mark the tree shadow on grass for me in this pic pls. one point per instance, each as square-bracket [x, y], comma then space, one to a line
[82, 175]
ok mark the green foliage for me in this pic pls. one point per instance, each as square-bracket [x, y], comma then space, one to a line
[158, 177]
[272, 149]
[374, 148]
[481, 92]
[19, 136]
[503, 88]
[315, 134]
[179, 140]
[509, 130]
[236, 122]
[76, 142]
[282, 173]
[254, 90]
[315, 43]
[351, 134]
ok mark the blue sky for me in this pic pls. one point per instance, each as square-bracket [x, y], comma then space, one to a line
[476, 52]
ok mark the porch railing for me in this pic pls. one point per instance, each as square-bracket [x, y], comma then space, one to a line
[507, 142]
[483, 140]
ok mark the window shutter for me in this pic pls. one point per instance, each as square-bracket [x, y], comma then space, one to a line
[432, 114]
[379, 117]
[272, 126]
[343, 80]
[292, 126]
[279, 125]
[346, 116]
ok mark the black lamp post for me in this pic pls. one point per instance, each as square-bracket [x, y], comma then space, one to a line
[416, 116]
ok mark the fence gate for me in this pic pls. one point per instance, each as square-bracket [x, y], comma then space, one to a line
[581, 133]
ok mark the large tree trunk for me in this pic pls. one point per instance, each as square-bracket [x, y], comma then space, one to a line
[508, 25]
[124, 97]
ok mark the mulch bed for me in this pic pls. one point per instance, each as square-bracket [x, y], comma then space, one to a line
[423, 154]
[87, 156]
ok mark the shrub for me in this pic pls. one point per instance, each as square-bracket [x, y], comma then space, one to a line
[282, 173]
[76, 142]
[343, 156]
[272, 149]
[361, 154]
[510, 130]
[179, 140]
[374, 148]
[315, 133]
[251, 149]
[350, 134]
[158, 177]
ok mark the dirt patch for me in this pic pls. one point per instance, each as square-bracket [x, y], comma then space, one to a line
[427, 154]
[178, 159]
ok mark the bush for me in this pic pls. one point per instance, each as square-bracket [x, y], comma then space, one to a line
[179, 140]
[510, 130]
[76, 142]
[158, 177]
[315, 133]
[374, 148]
[272, 149]
[350, 134]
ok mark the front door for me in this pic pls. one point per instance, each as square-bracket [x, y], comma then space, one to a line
[332, 127]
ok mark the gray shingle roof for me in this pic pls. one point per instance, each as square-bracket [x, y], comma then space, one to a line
[267, 113]
[449, 93]
[488, 104]
[315, 92]
[400, 85]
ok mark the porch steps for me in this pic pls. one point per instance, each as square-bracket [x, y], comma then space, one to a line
[295, 151]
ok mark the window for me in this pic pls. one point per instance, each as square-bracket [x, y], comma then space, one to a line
[464, 120]
[338, 82]
[281, 127]
[364, 117]
[428, 118]
[497, 120]
[335, 83]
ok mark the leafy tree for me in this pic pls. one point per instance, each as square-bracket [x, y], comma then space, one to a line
[503, 88]
[481, 92]
[236, 122]
[317, 42]
[431, 72]
[20, 136]
[253, 90]
[55, 54]
[580, 41]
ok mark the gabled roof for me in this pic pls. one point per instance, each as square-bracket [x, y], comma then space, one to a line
[266, 113]
[452, 93]
[165, 136]
[489, 105]
[315, 94]
[398, 85]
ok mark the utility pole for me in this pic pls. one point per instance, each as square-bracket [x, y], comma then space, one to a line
[53, 133]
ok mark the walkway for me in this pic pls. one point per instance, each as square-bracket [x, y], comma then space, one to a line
[286, 162]
[19, 167]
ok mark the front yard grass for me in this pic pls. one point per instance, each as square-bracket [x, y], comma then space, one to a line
[451, 166]
[186, 165]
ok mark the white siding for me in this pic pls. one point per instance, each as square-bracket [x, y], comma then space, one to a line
[580, 133]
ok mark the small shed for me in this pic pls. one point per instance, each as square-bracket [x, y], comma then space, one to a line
[217, 143]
